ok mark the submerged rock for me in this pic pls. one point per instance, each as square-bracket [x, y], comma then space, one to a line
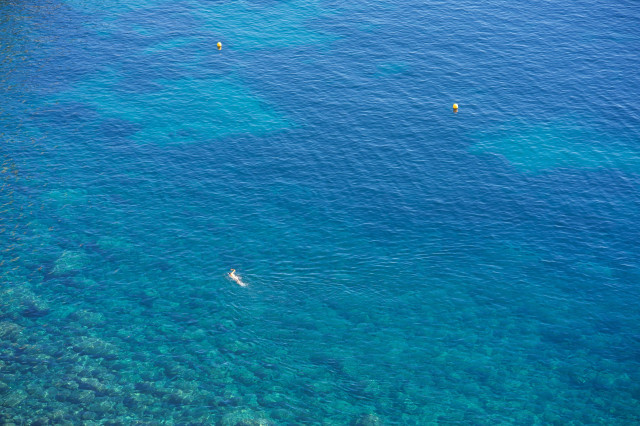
[40, 421]
[83, 396]
[36, 308]
[82, 283]
[87, 318]
[236, 347]
[244, 376]
[272, 400]
[243, 418]
[96, 348]
[9, 331]
[180, 397]
[22, 301]
[67, 383]
[14, 398]
[67, 196]
[138, 402]
[70, 262]
[282, 414]
[367, 420]
[102, 407]
[93, 384]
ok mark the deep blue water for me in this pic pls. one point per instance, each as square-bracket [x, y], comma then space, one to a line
[405, 265]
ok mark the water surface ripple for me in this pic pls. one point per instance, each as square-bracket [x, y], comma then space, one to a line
[405, 265]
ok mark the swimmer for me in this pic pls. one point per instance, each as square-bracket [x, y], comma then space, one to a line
[236, 278]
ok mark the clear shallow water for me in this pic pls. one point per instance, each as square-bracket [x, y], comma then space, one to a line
[405, 265]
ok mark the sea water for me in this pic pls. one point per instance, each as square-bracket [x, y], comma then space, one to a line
[405, 264]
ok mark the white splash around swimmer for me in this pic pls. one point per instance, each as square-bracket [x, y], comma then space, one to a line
[236, 278]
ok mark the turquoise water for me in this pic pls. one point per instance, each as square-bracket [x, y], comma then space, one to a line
[405, 265]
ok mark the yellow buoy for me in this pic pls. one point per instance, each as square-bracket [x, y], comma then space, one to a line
[219, 46]
[455, 106]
